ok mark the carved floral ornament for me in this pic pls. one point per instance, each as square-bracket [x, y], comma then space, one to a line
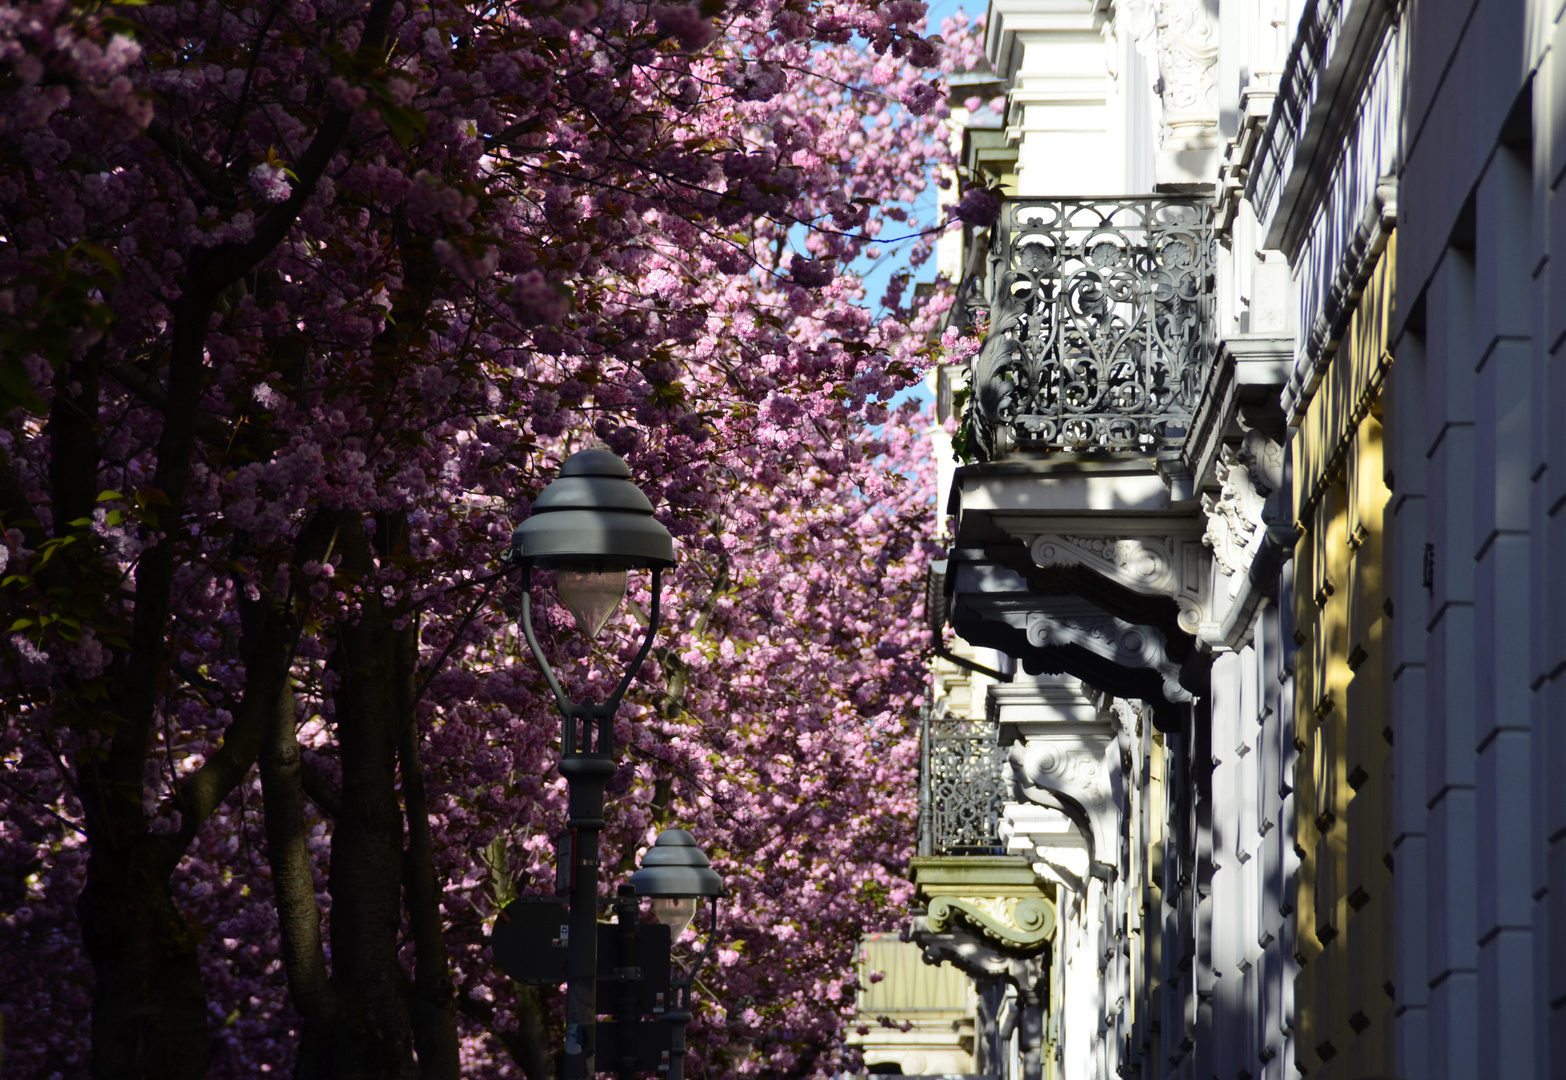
[1145, 565]
[1018, 923]
[1187, 61]
[1076, 772]
[1235, 525]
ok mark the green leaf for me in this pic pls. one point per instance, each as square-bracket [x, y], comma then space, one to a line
[16, 388]
[102, 256]
[106, 494]
[404, 123]
[21, 624]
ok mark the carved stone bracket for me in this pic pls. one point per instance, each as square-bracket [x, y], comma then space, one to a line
[1187, 67]
[1187, 59]
[978, 958]
[1262, 458]
[1012, 922]
[997, 897]
[1150, 565]
[1085, 770]
[1116, 640]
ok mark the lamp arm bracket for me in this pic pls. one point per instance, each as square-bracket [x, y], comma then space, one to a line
[602, 714]
[561, 700]
[706, 950]
[612, 705]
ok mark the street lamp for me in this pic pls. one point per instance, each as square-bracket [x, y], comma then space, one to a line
[676, 875]
[590, 526]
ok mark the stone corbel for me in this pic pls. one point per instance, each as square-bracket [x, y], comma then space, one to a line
[1024, 923]
[1262, 458]
[1149, 565]
[978, 959]
[1116, 640]
[1187, 46]
[1086, 771]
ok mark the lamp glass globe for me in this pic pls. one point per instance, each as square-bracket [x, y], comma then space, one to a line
[675, 912]
[591, 595]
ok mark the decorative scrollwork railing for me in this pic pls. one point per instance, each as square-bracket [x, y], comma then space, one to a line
[1100, 327]
[961, 790]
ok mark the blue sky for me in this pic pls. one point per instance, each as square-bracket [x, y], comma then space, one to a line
[924, 209]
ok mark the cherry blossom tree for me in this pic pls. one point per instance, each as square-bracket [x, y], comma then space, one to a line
[300, 304]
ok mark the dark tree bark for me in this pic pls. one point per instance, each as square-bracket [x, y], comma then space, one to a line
[375, 1017]
[432, 998]
[149, 1009]
[293, 880]
[149, 1012]
[371, 1036]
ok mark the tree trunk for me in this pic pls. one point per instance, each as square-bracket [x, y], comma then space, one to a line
[149, 1011]
[372, 1036]
[432, 998]
[149, 1015]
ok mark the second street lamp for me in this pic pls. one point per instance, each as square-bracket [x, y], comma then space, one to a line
[590, 526]
[676, 875]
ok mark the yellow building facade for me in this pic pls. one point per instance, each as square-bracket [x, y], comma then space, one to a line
[1343, 778]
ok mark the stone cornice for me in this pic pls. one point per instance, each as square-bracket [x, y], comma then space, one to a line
[1010, 18]
[973, 875]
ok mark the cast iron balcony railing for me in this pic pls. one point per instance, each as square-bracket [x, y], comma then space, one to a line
[1100, 325]
[961, 790]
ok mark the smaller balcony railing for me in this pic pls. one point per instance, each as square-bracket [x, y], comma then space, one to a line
[961, 788]
[1100, 325]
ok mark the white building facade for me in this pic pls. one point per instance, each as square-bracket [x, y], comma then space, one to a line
[1185, 317]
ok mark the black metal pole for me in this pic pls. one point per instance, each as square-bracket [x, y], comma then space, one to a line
[586, 773]
[586, 762]
[679, 1014]
[677, 1018]
[627, 969]
[587, 755]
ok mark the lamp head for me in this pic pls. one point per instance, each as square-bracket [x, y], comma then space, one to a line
[592, 519]
[676, 875]
[591, 525]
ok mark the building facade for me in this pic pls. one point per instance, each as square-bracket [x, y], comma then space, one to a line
[1170, 662]
[1478, 474]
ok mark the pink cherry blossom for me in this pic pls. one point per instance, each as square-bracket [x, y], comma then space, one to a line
[301, 306]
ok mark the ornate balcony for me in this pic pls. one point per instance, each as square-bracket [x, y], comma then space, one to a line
[1100, 326]
[961, 792]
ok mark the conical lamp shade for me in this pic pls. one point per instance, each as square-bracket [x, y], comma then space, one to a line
[591, 595]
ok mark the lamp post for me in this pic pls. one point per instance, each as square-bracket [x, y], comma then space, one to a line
[590, 526]
[676, 875]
